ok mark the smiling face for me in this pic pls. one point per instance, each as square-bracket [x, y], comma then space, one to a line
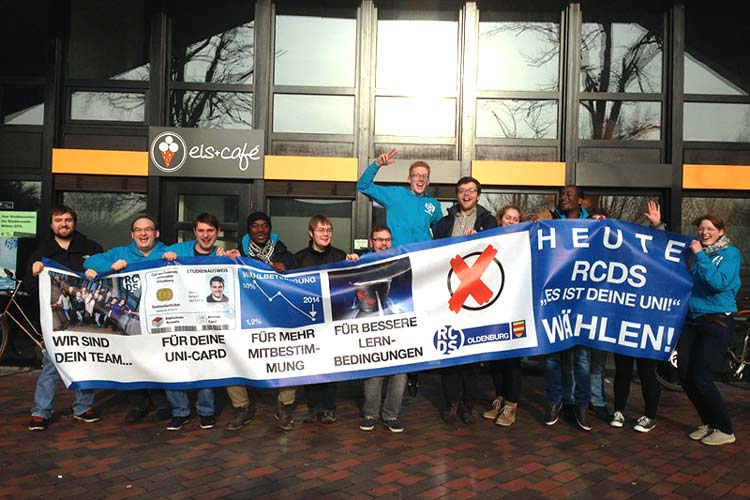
[570, 201]
[419, 179]
[321, 236]
[144, 235]
[381, 240]
[205, 236]
[468, 196]
[63, 225]
[259, 232]
[217, 289]
[708, 233]
[510, 216]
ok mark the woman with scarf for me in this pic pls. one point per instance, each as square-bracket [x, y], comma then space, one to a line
[715, 269]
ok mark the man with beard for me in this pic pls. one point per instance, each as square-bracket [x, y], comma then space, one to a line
[465, 218]
[67, 247]
[145, 246]
[261, 244]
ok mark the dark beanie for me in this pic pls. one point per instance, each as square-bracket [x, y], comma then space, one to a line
[258, 216]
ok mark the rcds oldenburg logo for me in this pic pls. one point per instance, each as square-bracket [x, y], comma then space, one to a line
[168, 152]
[448, 339]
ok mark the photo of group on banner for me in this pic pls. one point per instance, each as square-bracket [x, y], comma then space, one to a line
[573, 377]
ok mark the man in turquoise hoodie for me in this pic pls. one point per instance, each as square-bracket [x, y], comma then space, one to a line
[144, 231]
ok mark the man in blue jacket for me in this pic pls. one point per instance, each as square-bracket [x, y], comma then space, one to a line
[144, 231]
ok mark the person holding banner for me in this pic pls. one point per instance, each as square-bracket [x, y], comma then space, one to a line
[382, 239]
[67, 247]
[262, 245]
[506, 373]
[716, 280]
[145, 246]
[567, 375]
[409, 213]
[466, 217]
[321, 398]
[206, 230]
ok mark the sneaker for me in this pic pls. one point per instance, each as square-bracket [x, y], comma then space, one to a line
[718, 438]
[367, 424]
[450, 413]
[135, 415]
[700, 433]
[392, 424]
[312, 417]
[552, 414]
[284, 416]
[208, 421]
[177, 422]
[469, 415]
[600, 412]
[328, 417]
[37, 423]
[494, 411]
[582, 419]
[645, 424]
[244, 415]
[618, 420]
[508, 415]
[89, 416]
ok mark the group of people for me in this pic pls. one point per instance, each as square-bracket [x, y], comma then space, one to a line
[573, 379]
[80, 306]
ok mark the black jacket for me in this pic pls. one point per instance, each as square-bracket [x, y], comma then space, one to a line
[444, 227]
[308, 257]
[79, 249]
[280, 254]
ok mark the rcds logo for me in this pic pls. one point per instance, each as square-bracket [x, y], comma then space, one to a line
[448, 339]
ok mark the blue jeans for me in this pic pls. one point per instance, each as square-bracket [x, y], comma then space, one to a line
[554, 376]
[394, 395]
[180, 403]
[46, 387]
[598, 372]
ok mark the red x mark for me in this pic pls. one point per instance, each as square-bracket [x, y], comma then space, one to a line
[471, 279]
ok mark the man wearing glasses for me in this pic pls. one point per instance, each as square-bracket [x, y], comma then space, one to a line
[410, 213]
[466, 217]
[145, 246]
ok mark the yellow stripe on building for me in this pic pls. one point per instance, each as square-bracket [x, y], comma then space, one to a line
[310, 168]
[519, 173]
[716, 176]
[99, 162]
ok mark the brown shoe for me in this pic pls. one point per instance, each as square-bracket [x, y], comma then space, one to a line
[508, 415]
[284, 416]
[495, 409]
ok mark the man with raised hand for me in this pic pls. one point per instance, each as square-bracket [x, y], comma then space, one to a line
[67, 247]
[145, 246]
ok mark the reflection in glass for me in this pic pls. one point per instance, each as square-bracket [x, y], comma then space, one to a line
[108, 106]
[701, 78]
[626, 208]
[207, 109]
[313, 114]
[417, 55]
[105, 217]
[224, 207]
[620, 57]
[107, 43]
[315, 51]
[531, 204]
[215, 52]
[516, 119]
[291, 216]
[23, 195]
[723, 122]
[518, 56]
[415, 117]
[620, 120]
[22, 105]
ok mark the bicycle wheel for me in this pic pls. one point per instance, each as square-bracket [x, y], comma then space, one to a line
[666, 374]
[736, 370]
[4, 336]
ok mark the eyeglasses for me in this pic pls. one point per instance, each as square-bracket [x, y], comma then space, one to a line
[467, 190]
[382, 240]
[323, 230]
[423, 177]
[144, 229]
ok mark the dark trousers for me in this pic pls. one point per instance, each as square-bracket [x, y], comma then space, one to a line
[321, 397]
[702, 347]
[144, 399]
[650, 387]
[456, 378]
[506, 375]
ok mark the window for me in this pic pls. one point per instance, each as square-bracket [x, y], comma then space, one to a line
[291, 216]
[108, 106]
[21, 105]
[105, 217]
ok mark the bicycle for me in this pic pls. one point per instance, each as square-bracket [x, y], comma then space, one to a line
[12, 311]
[737, 358]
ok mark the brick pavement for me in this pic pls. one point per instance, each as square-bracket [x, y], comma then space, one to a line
[429, 460]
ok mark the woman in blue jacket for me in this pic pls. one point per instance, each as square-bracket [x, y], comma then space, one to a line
[716, 280]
